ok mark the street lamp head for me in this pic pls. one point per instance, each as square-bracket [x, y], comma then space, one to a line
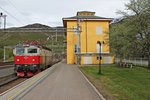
[98, 42]
[103, 42]
[1, 14]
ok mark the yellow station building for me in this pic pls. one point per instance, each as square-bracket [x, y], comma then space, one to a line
[83, 33]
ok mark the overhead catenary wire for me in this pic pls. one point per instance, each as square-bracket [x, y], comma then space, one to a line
[18, 10]
[14, 6]
[11, 15]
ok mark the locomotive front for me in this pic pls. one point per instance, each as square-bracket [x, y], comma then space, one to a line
[27, 60]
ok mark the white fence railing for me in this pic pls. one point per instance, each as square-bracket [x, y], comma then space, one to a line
[135, 61]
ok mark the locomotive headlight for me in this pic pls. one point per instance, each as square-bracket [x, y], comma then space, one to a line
[18, 60]
[33, 59]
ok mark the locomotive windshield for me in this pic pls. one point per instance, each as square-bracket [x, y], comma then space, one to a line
[32, 50]
[20, 51]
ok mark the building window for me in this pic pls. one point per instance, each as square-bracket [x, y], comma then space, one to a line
[99, 30]
[98, 48]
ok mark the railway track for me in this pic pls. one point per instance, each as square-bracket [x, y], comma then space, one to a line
[6, 66]
[6, 63]
[7, 76]
[9, 81]
[6, 79]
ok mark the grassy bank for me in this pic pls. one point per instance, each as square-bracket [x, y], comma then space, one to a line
[120, 83]
[14, 38]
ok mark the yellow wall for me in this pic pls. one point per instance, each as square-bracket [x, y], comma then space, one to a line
[71, 41]
[89, 32]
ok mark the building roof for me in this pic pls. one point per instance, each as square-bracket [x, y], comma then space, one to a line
[85, 13]
[87, 17]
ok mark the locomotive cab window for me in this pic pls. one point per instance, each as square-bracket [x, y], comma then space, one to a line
[20, 51]
[32, 50]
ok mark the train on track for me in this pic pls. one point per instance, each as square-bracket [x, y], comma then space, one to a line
[31, 58]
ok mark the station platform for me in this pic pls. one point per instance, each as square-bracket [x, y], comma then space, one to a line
[59, 82]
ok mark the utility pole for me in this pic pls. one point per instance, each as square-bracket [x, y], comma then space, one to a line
[4, 22]
[4, 16]
[79, 41]
[4, 59]
[56, 34]
[1, 19]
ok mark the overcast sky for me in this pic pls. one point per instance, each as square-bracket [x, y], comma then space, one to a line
[51, 12]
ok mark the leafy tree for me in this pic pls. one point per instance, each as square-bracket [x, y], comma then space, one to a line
[120, 40]
[134, 30]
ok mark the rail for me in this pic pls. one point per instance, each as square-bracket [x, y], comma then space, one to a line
[7, 79]
[6, 63]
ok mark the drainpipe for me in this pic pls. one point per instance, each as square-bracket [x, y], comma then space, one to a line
[86, 34]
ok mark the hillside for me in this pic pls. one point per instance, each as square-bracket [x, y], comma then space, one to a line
[36, 25]
[36, 28]
[12, 38]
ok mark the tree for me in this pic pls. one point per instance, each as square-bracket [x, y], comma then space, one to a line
[136, 27]
[121, 41]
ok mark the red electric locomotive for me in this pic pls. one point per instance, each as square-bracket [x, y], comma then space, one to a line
[31, 58]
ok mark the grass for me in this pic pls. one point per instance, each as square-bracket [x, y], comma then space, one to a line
[12, 39]
[120, 83]
[15, 38]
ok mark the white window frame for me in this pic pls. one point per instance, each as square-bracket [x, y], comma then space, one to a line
[98, 48]
[99, 30]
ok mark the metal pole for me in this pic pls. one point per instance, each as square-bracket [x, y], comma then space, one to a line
[100, 56]
[86, 35]
[4, 54]
[1, 15]
[56, 34]
[78, 32]
[52, 43]
[0, 22]
[4, 22]
[100, 59]
[98, 42]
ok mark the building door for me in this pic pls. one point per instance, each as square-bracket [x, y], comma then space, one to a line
[107, 60]
[87, 60]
